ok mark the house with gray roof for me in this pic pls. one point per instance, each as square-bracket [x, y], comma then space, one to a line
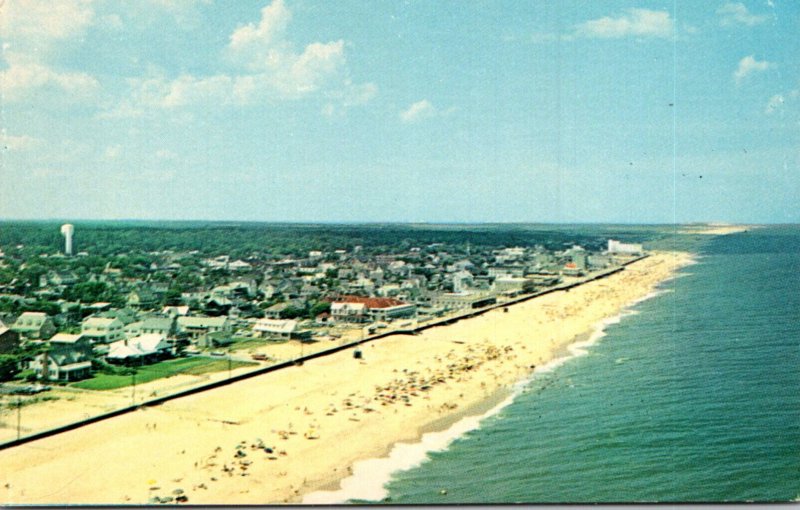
[103, 330]
[65, 361]
[34, 326]
[142, 299]
[195, 327]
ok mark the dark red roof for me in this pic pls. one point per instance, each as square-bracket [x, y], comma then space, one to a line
[371, 302]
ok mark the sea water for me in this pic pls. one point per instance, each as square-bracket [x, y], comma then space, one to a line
[690, 396]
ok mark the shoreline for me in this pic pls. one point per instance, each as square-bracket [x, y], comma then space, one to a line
[404, 386]
[478, 411]
[336, 491]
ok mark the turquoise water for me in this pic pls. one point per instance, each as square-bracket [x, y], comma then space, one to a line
[693, 397]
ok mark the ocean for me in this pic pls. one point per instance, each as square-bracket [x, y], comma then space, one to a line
[692, 395]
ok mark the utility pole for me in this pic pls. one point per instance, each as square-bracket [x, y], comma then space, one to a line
[19, 415]
[229, 364]
[133, 393]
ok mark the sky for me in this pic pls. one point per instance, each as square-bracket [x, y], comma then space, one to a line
[401, 111]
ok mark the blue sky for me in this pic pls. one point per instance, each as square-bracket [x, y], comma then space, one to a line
[478, 111]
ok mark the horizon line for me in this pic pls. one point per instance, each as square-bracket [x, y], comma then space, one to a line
[379, 222]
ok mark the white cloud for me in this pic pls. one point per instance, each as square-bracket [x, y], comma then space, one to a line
[157, 92]
[774, 103]
[777, 102]
[420, 110]
[184, 14]
[256, 41]
[737, 14]
[44, 20]
[749, 65]
[187, 89]
[309, 70]
[23, 79]
[32, 31]
[178, 5]
[274, 67]
[17, 143]
[348, 96]
[637, 22]
[268, 68]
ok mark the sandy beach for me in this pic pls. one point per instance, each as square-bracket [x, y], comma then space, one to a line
[716, 229]
[276, 437]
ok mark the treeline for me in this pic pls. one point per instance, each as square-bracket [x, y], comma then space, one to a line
[241, 240]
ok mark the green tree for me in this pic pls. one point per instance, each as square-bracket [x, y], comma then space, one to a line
[293, 312]
[172, 297]
[9, 366]
[318, 308]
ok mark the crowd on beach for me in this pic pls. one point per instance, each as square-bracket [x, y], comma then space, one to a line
[285, 434]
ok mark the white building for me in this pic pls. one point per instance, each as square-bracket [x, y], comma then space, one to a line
[350, 312]
[513, 284]
[624, 248]
[151, 345]
[279, 328]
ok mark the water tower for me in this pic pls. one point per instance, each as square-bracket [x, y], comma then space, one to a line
[67, 231]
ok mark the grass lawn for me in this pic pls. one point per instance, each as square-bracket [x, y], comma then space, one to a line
[241, 343]
[168, 368]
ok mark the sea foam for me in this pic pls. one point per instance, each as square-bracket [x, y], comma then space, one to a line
[371, 476]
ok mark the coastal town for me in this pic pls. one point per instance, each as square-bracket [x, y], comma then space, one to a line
[73, 319]
[194, 394]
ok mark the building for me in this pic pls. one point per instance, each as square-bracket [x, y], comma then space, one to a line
[616, 247]
[578, 257]
[364, 309]
[161, 325]
[349, 312]
[280, 329]
[195, 327]
[463, 300]
[34, 326]
[103, 330]
[141, 349]
[239, 265]
[499, 271]
[570, 269]
[69, 358]
[124, 315]
[462, 280]
[598, 261]
[142, 299]
[513, 285]
[544, 280]
[9, 339]
[276, 311]
[60, 278]
[175, 311]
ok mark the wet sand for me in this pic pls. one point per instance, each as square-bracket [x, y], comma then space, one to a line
[273, 438]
